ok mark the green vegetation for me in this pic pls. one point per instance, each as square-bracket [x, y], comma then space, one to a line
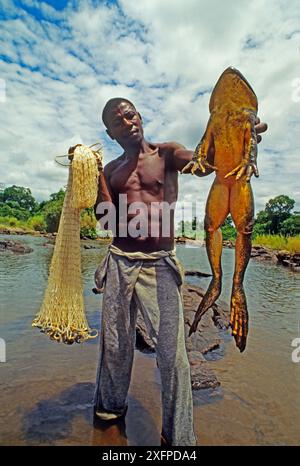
[275, 227]
[19, 211]
[290, 244]
[193, 229]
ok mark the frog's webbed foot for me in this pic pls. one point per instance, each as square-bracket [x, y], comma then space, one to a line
[211, 295]
[199, 161]
[239, 317]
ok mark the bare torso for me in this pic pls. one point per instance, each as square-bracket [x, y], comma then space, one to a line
[147, 178]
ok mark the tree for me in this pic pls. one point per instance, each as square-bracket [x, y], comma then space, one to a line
[262, 224]
[278, 210]
[228, 230]
[290, 226]
[52, 210]
[20, 196]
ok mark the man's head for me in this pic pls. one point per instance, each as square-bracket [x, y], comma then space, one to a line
[123, 122]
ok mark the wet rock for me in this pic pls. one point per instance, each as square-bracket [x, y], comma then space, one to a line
[180, 239]
[196, 273]
[4, 231]
[15, 247]
[289, 260]
[260, 253]
[228, 244]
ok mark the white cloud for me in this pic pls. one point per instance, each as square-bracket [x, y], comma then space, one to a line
[165, 56]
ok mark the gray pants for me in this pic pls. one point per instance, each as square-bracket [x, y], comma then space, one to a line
[153, 287]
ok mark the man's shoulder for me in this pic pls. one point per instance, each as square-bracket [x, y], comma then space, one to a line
[112, 165]
[170, 146]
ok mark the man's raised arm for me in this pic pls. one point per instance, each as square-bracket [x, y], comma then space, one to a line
[182, 156]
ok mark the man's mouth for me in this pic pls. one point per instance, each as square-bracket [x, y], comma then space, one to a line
[132, 132]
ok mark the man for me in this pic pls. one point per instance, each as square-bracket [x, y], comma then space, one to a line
[141, 272]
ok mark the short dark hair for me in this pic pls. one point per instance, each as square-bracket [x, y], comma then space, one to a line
[113, 103]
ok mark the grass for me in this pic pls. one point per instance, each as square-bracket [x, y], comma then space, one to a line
[290, 244]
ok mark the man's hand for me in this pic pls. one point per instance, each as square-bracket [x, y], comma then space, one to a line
[72, 150]
[260, 128]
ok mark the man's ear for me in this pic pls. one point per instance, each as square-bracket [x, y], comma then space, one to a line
[140, 117]
[109, 134]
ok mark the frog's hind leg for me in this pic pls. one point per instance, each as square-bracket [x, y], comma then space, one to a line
[217, 209]
[242, 211]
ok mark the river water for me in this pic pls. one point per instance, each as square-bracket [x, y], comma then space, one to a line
[47, 388]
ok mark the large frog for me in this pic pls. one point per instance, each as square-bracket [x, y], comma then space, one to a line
[230, 129]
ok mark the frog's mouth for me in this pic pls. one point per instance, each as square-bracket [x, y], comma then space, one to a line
[233, 70]
[222, 91]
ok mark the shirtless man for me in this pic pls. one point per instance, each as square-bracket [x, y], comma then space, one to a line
[141, 273]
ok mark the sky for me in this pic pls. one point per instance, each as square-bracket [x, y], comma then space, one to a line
[60, 61]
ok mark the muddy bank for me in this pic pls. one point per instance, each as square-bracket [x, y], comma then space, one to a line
[207, 339]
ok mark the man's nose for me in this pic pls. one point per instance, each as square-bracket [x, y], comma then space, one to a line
[127, 122]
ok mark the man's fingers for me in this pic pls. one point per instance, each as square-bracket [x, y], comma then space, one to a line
[258, 138]
[187, 167]
[72, 149]
[261, 127]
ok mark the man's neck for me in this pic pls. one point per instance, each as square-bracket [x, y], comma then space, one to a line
[133, 151]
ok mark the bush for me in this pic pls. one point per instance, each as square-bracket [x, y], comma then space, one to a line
[228, 230]
[37, 223]
[12, 222]
[270, 241]
[88, 224]
[291, 244]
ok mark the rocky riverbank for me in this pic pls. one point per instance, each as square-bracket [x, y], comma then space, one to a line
[284, 258]
[208, 337]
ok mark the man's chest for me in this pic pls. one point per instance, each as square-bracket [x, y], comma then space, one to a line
[148, 174]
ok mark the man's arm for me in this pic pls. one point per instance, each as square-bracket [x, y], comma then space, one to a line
[104, 194]
[182, 156]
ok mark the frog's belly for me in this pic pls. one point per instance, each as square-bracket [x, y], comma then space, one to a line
[228, 155]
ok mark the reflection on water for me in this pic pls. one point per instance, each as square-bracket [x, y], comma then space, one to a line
[47, 388]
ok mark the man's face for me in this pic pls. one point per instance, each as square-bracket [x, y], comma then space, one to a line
[125, 125]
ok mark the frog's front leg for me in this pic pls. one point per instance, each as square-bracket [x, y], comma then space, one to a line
[199, 161]
[248, 165]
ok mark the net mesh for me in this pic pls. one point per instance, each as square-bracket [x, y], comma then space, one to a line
[62, 315]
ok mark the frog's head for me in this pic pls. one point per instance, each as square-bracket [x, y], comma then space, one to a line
[233, 91]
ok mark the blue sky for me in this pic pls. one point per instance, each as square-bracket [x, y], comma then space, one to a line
[62, 60]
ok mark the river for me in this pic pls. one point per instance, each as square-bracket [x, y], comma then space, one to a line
[47, 388]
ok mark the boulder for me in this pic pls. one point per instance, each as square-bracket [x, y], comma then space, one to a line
[15, 247]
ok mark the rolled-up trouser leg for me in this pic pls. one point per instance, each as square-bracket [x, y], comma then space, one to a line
[117, 339]
[162, 311]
